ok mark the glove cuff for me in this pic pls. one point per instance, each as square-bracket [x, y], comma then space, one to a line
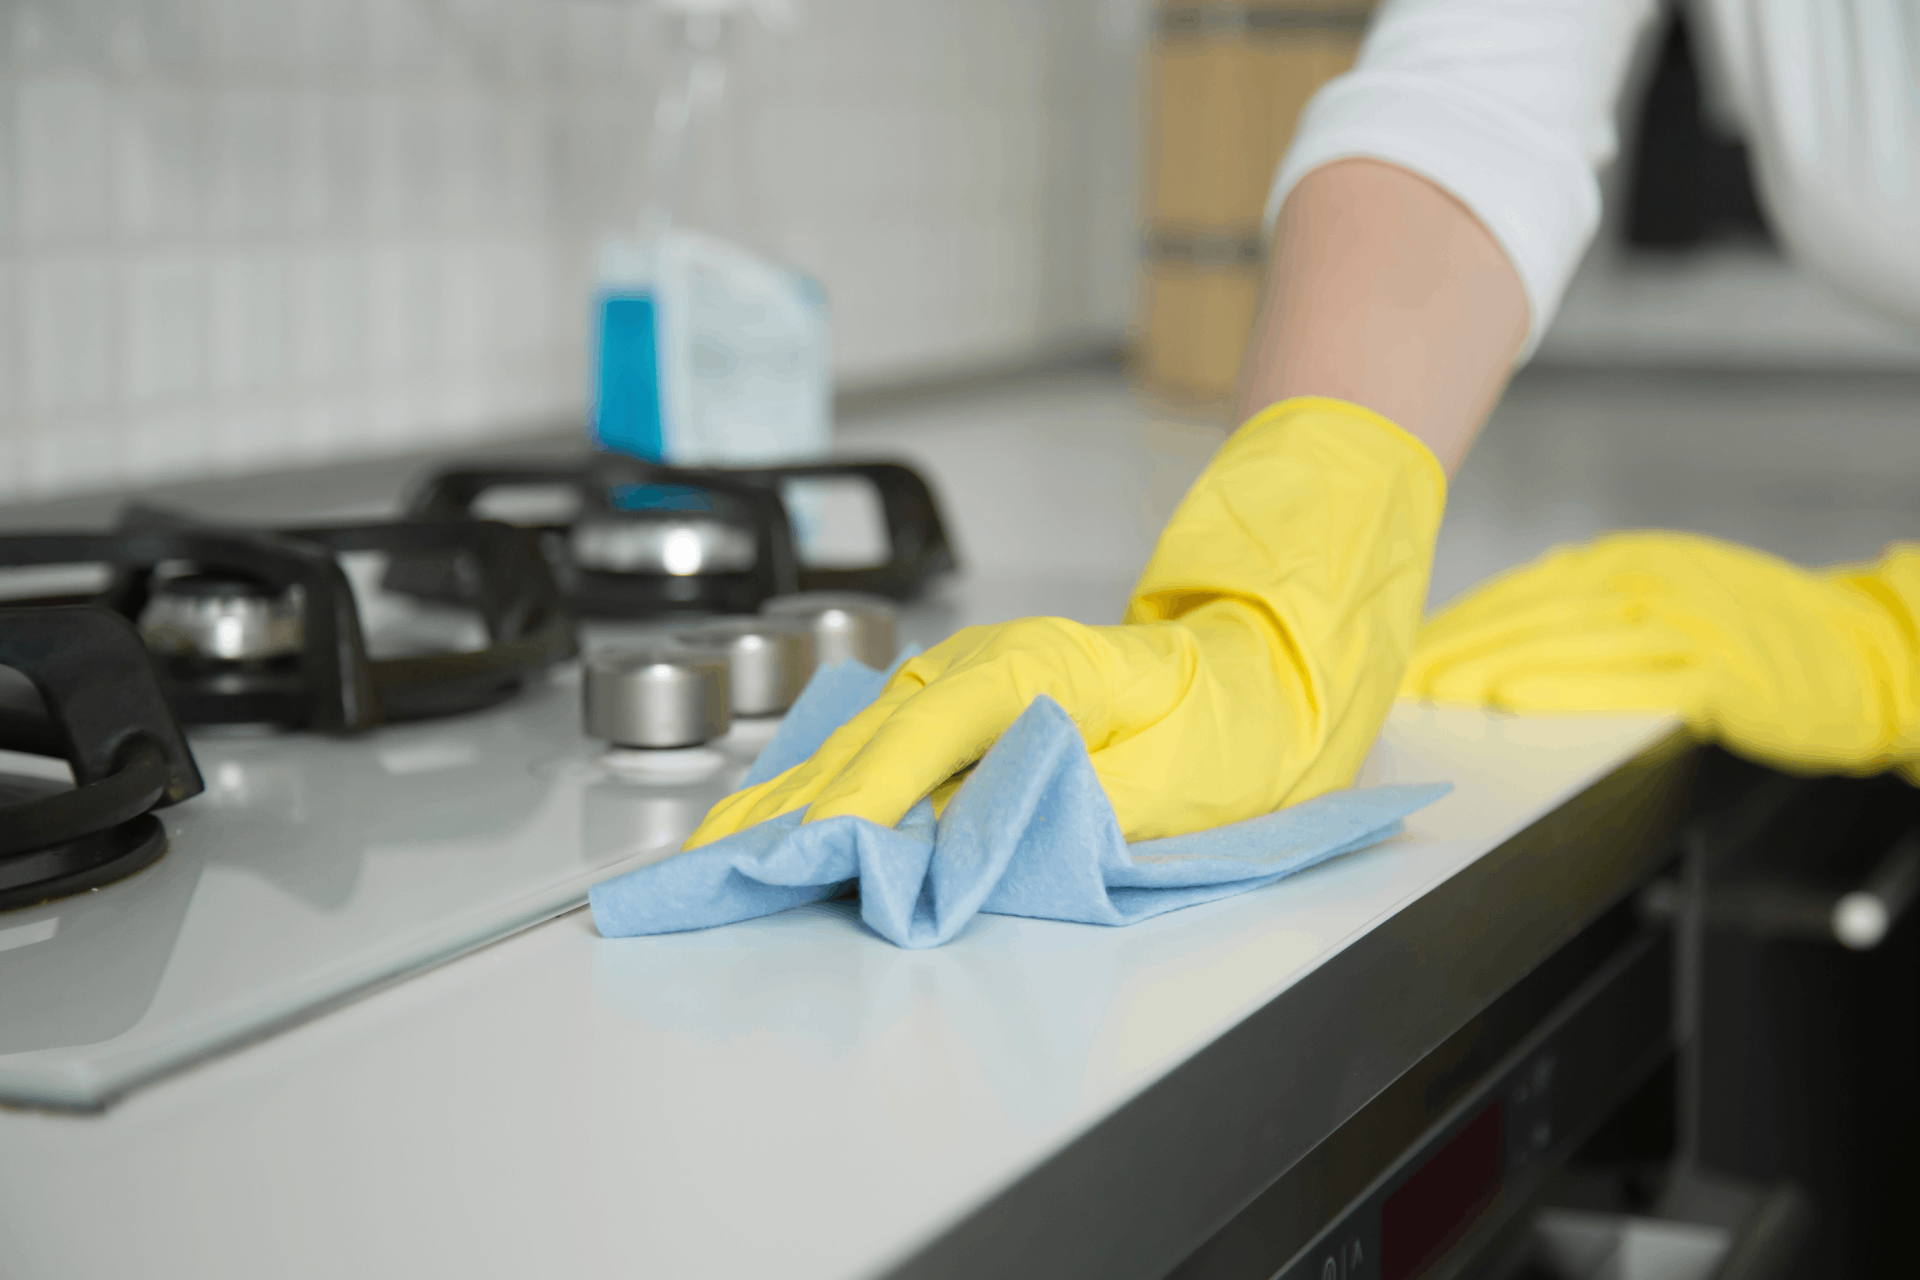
[1419, 456]
[1292, 491]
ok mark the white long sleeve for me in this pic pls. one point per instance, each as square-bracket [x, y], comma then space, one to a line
[1506, 104]
[1510, 106]
[1829, 93]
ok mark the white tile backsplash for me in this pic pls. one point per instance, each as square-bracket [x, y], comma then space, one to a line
[75, 452]
[161, 161]
[589, 40]
[169, 444]
[64, 130]
[256, 35]
[248, 322]
[166, 330]
[313, 427]
[252, 168]
[327, 316]
[169, 35]
[330, 36]
[67, 322]
[9, 170]
[332, 169]
[397, 280]
[251, 436]
[465, 321]
[9, 370]
[385, 163]
[14, 481]
[402, 39]
[64, 34]
[245, 233]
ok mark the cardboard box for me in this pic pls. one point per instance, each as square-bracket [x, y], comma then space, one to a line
[1195, 328]
[1223, 112]
[1228, 85]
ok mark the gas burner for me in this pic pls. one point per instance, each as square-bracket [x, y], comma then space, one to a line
[261, 626]
[644, 539]
[222, 619]
[679, 547]
[104, 713]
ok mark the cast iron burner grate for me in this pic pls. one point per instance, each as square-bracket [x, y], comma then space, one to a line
[260, 626]
[104, 713]
[649, 539]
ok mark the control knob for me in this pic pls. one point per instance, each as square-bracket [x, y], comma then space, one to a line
[845, 625]
[658, 696]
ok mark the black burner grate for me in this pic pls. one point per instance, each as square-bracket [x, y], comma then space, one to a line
[104, 713]
[331, 684]
[748, 499]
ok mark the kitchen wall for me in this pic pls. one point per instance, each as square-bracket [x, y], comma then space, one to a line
[236, 234]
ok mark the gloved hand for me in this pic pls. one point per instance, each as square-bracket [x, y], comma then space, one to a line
[1812, 671]
[1260, 652]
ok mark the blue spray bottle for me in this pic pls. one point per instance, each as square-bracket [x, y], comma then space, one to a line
[704, 352]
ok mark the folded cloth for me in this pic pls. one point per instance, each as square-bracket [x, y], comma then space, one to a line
[1029, 833]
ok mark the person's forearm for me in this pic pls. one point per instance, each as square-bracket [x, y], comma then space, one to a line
[1386, 292]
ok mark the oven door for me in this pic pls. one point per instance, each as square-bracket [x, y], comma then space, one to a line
[1540, 1142]
[1462, 1144]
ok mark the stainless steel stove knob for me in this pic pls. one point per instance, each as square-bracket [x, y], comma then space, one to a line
[769, 660]
[207, 616]
[659, 696]
[845, 624]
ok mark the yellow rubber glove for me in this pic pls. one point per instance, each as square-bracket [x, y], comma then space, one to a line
[1260, 653]
[1803, 670]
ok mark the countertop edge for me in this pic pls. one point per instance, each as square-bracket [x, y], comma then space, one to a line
[1204, 1139]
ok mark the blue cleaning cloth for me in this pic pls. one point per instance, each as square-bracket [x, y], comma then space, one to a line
[1030, 833]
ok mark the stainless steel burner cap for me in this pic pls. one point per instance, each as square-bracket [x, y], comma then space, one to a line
[680, 548]
[845, 624]
[769, 659]
[229, 619]
[665, 695]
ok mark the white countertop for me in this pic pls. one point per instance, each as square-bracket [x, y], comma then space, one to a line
[786, 1096]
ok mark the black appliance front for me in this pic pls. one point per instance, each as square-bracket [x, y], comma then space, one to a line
[1458, 1147]
[1809, 1034]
